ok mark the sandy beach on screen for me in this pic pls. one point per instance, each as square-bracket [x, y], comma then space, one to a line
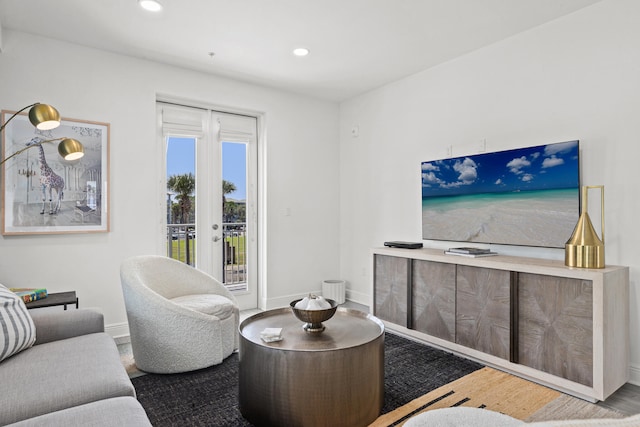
[531, 222]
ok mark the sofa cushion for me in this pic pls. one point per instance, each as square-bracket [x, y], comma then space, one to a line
[61, 374]
[16, 327]
[60, 325]
[119, 411]
[475, 417]
[212, 304]
[462, 416]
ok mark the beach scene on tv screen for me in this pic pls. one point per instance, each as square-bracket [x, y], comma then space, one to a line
[524, 197]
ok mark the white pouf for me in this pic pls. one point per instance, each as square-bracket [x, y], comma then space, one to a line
[462, 416]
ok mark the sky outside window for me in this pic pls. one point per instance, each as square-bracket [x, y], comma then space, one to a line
[181, 160]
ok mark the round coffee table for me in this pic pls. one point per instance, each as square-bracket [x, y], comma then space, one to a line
[335, 378]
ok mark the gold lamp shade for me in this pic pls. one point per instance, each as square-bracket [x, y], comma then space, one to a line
[70, 149]
[44, 117]
[584, 248]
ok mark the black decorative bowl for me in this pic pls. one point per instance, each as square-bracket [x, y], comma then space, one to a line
[313, 318]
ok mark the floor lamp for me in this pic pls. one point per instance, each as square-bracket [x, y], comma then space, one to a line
[45, 117]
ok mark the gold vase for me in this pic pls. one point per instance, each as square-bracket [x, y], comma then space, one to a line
[584, 248]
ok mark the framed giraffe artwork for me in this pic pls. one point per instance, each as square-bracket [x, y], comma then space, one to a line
[42, 193]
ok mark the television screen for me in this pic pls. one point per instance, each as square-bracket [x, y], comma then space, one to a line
[524, 197]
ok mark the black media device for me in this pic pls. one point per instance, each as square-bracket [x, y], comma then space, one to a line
[403, 245]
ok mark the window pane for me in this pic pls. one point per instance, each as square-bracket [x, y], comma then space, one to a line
[234, 189]
[181, 202]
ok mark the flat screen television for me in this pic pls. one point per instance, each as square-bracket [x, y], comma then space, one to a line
[523, 197]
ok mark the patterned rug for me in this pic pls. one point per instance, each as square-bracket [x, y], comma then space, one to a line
[417, 378]
[498, 391]
[209, 397]
[485, 388]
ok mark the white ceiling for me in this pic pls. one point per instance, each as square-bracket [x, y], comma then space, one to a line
[356, 45]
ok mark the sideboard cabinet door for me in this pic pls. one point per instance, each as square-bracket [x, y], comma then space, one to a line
[391, 276]
[555, 326]
[484, 310]
[433, 298]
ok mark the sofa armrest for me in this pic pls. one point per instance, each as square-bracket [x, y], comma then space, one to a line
[59, 325]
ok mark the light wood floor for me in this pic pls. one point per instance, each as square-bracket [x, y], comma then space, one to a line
[626, 400]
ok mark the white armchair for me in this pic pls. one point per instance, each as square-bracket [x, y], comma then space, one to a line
[180, 318]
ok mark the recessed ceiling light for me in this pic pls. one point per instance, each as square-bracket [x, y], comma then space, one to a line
[301, 51]
[150, 5]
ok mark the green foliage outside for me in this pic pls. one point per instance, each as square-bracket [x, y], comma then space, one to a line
[182, 212]
[184, 185]
[179, 249]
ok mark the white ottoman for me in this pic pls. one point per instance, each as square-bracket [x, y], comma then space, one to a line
[462, 416]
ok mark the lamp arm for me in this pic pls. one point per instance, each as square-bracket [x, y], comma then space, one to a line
[22, 150]
[7, 122]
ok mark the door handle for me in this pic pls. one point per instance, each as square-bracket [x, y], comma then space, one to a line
[216, 238]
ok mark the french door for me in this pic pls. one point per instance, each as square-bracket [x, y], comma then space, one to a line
[211, 194]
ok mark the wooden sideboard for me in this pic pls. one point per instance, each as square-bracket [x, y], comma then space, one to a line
[567, 328]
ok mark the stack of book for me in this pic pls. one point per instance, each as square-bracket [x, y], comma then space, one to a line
[470, 252]
[30, 294]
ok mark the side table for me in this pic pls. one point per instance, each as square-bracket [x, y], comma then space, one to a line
[56, 298]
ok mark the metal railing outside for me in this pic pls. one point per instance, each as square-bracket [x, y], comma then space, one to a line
[181, 245]
[234, 236]
[181, 242]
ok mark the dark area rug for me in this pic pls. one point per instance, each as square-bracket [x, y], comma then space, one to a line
[412, 369]
[209, 397]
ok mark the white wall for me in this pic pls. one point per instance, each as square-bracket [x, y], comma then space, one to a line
[301, 155]
[577, 77]
[574, 78]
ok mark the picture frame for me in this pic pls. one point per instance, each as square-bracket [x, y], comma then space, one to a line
[30, 204]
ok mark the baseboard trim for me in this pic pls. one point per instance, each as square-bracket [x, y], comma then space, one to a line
[634, 374]
[119, 332]
[359, 298]
[286, 300]
[279, 302]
